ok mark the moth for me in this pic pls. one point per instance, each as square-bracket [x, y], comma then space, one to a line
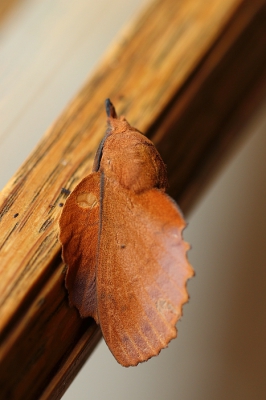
[122, 241]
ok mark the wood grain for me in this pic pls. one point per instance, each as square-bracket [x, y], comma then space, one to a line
[190, 75]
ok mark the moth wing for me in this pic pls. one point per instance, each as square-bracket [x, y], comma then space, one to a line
[142, 271]
[79, 231]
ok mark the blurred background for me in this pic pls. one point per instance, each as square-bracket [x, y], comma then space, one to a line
[220, 352]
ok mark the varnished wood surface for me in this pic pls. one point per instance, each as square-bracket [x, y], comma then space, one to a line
[209, 113]
[180, 70]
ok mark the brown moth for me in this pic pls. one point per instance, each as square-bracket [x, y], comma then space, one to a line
[122, 242]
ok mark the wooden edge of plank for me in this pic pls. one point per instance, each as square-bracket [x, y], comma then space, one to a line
[214, 106]
[72, 363]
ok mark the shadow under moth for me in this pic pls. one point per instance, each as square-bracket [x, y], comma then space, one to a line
[122, 242]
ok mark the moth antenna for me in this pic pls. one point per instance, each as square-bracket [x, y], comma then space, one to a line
[110, 110]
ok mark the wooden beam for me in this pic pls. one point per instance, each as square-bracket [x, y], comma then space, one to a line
[207, 115]
[188, 74]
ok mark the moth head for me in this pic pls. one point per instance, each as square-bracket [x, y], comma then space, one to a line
[128, 157]
[115, 124]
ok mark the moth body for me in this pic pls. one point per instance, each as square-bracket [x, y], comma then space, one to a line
[122, 242]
